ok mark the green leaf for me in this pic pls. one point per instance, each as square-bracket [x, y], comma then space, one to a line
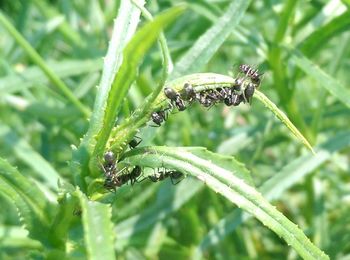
[207, 45]
[135, 50]
[322, 78]
[234, 189]
[276, 186]
[41, 63]
[323, 34]
[172, 201]
[98, 229]
[33, 76]
[227, 162]
[124, 28]
[34, 209]
[172, 198]
[284, 119]
[29, 156]
[16, 238]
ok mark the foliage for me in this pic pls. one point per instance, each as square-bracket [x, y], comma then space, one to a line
[238, 161]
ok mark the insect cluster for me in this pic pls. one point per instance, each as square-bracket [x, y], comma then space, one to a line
[115, 177]
[242, 90]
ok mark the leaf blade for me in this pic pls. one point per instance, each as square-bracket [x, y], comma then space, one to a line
[98, 229]
[283, 118]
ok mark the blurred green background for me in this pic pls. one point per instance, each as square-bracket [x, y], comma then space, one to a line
[38, 124]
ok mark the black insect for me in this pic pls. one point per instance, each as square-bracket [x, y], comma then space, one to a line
[135, 142]
[249, 91]
[233, 100]
[159, 117]
[175, 98]
[207, 99]
[118, 179]
[251, 73]
[188, 93]
[175, 176]
[109, 165]
[237, 85]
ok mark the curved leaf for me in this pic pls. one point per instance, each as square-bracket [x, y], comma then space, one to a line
[34, 209]
[231, 187]
[282, 116]
[275, 186]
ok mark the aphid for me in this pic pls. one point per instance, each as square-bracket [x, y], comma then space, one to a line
[135, 142]
[205, 100]
[163, 174]
[188, 93]
[158, 117]
[175, 98]
[251, 73]
[249, 91]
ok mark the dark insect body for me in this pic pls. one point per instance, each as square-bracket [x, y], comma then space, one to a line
[135, 142]
[249, 91]
[175, 98]
[117, 180]
[175, 176]
[188, 92]
[109, 166]
[251, 73]
[158, 117]
[205, 100]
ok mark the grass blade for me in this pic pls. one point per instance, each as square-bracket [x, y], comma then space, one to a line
[284, 119]
[33, 76]
[207, 45]
[29, 156]
[36, 58]
[322, 78]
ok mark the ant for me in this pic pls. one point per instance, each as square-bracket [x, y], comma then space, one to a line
[251, 73]
[113, 178]
[109, 167]
[233, 99]
[188, 92]
[163, 174]
[159, 117]
[135, 142]
[116, 180]
[175, 98]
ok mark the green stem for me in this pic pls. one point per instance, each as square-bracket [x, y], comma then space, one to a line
[279, 73]
[36, 58]
[167, 63]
